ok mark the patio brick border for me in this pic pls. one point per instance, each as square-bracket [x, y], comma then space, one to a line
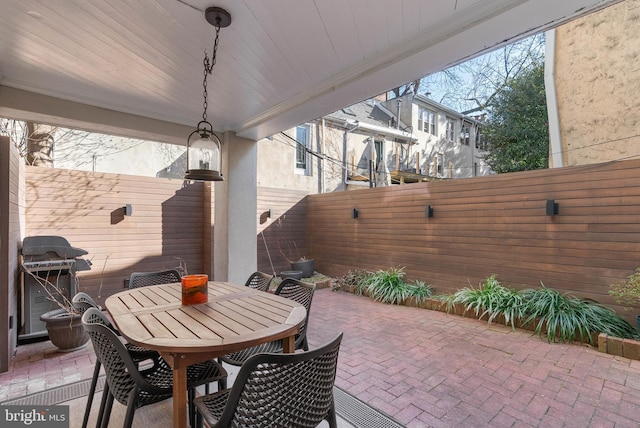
[627, 348]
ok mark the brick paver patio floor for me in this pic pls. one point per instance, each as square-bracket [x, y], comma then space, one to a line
[426, 369]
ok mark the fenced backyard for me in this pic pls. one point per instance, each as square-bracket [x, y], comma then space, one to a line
[480, 226]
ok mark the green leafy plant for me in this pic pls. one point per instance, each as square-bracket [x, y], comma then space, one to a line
[627, 292]
[490, 299]
[420, 291]
[567, 318]
[388, 286]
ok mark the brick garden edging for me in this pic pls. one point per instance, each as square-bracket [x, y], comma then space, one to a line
[627, 348]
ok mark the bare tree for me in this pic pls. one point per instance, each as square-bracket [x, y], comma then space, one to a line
[42, 145]
[471, 86]
[409, 88]
[18, 134]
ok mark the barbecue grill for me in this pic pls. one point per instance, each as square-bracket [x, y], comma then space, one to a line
[46, 259]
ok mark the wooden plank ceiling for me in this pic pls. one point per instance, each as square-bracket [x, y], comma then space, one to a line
[280, 62]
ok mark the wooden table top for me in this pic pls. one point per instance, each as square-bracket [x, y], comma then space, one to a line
[234, 318]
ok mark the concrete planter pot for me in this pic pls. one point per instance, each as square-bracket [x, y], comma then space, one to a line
[65, 330]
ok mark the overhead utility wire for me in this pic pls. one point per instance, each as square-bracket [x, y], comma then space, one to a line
[330, 159]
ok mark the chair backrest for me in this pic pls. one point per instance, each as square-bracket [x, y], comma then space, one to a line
[260, 281]
[121, 372]
[301, 292]
[142, 279]
[82, 301]
[283, 389]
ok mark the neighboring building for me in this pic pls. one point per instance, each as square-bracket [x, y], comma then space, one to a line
[593, 77]
[358, 146]
[449, 144]
[365, 145]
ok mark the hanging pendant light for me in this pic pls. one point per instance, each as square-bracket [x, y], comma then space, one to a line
[203, 145]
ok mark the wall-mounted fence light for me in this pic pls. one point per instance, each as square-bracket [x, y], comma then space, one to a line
[355, 213]
[552, 207]
[128, 210]
[428, 211]
[264, 216]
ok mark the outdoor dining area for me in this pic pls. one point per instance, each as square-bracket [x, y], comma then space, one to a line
[185, 324]
[396, 366]
[238, 346]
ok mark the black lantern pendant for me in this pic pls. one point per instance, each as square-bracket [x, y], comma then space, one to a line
[203, 154]
[203, 145]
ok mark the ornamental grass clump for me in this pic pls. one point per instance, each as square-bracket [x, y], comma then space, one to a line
[491, 299]
[388, 286]
[566, 318]
[421, 291]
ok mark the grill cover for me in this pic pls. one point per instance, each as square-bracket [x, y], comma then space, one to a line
[38, 250]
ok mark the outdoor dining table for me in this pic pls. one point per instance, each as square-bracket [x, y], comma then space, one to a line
[234, 318]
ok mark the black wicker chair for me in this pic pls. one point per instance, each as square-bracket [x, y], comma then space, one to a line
[301, 292]
[259, 281]
[277, 390]
[142, 279]
[129, 385]
[82, 301]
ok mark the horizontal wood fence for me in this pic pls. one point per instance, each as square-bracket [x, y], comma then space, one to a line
[282, 228]
[170, 226]
[481, 226]
[490, 225]
[164, 231]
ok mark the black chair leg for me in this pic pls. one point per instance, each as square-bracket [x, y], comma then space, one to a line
[198, 423]
[103, 404]
[331, 416]
[222, 384]
[92, 391]
[131, 409]
[107, 411]
[191, 394]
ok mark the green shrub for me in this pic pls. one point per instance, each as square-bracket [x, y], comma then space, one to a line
[602, 319]
[388, 286]
[627, 292]
[567, 318]
[420, 291]
[491, 299]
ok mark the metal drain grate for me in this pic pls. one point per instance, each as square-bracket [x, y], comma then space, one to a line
[360, 414]
[57, 395]
[349, 408]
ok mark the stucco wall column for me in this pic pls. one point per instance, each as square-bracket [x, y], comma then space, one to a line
[235, 228]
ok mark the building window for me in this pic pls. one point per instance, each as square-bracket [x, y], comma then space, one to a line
[427, 120]
[450, 128]
[465, 133]
[480, 143]
[303, 139]
[379, 147]
[439, 164]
